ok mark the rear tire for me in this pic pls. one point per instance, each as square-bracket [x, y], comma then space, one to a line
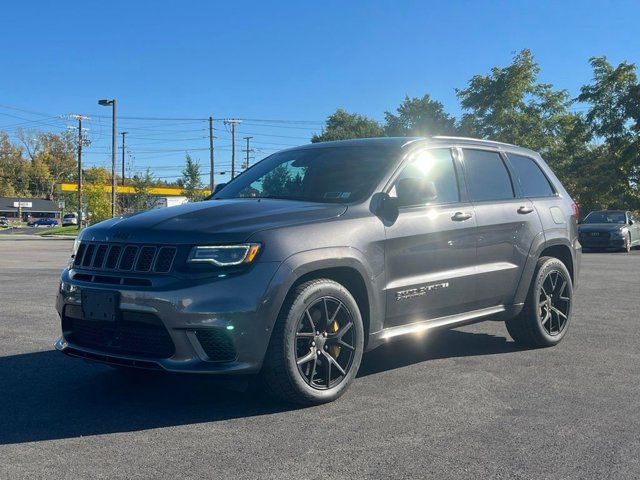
[546, 315]
[316, 345]
[627, 244]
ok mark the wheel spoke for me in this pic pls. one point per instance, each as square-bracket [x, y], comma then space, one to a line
[305, 334]
[308, 357]
[346, 345]
[334, 362]
[558, 312]
[308, 315]
[335, 314]
[326, 313]
[340, 333]
[562, 288]
[546, 317]
[313, 368]
[327, 372]
[543, 291]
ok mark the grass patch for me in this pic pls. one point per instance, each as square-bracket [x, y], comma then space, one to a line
[70, 231]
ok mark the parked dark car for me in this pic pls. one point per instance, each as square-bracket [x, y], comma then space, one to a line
[43, 222]
[4, 222]
[610, 229]
[319, 253]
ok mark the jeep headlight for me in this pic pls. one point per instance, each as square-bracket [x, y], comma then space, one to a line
[224, 255]
[76, 245]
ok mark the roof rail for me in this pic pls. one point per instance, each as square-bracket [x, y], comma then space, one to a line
[479, 140]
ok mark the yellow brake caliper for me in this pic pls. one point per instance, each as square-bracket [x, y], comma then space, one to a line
[334, 350]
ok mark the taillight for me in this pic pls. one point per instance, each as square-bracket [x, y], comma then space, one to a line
[576, 210]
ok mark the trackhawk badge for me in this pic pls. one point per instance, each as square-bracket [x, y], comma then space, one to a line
[420, 291]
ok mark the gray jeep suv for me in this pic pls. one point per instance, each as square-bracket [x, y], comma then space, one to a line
[319, 253]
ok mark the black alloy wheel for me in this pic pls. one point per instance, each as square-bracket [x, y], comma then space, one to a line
[546, 313]
[316, 345]
[554, 304]
[325, 343]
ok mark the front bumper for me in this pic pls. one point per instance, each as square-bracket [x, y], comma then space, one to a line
[596, 242]
[242, 307]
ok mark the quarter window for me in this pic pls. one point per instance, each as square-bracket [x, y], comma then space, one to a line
[534, 183]
[430, 178]
[487, 176]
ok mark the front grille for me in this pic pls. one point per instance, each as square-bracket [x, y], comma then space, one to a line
[139, 334]
[216, 344]
[596, 235]
[125, 258]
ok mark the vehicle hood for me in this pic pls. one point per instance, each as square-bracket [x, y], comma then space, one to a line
[215, 221]
[601, 227]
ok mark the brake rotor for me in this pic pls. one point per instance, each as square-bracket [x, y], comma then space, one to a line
[334, 350]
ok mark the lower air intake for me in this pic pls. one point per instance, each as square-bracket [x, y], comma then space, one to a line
[216, 344]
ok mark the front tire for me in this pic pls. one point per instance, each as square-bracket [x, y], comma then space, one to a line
[545, 317]
[316, 345]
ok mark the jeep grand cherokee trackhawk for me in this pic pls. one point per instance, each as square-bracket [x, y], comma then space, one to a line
[319, 253]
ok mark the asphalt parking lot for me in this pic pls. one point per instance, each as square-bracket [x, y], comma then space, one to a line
[465, 403]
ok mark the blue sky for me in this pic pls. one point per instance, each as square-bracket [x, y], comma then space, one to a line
[289, 60]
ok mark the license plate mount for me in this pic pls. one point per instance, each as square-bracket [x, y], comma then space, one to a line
[100, 305]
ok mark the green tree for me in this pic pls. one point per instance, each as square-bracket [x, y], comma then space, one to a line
[141, 198]
[510, 105]
[613, 99]
[55, 151]
[13, 168]
[419, 117]
[191, 182]
[96, 195]
[39, 177]
[342, 125]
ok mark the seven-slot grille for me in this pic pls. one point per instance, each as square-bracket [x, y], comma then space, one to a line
[125, 258]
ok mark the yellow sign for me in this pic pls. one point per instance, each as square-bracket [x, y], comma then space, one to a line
[163, 191]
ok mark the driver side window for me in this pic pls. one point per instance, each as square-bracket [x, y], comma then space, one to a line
[429, 179]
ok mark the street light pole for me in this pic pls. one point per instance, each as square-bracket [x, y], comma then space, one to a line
[112, 103]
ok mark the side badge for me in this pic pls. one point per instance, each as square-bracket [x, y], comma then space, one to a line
[420, 291]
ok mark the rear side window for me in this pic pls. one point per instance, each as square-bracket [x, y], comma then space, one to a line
[487, 176]
[533, 181]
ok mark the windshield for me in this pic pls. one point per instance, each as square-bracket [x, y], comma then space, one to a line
[606, 217]
[327, 175]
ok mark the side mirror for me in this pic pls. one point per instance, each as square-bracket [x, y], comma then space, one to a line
[216, 189]
[386, 207]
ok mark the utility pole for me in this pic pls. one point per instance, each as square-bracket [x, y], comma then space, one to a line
[211, 157]
[247, 151]
[233, 122]
[79, 189]
[123, 150]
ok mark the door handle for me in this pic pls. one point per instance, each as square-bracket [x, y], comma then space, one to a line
[524, 210]
[460, 216]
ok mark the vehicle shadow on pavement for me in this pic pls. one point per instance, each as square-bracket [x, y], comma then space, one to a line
[433, 345]
[45, 395]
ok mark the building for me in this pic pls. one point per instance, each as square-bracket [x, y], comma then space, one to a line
[15, 207]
